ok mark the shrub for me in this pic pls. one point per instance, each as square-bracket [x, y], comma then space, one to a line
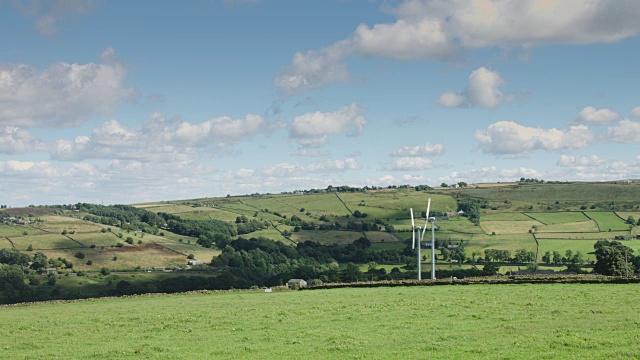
[30, 248]
[105, 271]
[191, 256]
[79, 255]
[119, 245]
[89, 262]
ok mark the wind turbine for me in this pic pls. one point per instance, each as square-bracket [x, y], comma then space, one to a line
[421, 238]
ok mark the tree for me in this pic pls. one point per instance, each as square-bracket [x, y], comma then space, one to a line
[351, 273]
[631, 220]
[557, 258]
[105, 271]
[444, 185]
[546, 258]
[614, 259]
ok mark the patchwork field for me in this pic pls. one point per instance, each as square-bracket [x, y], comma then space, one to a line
[517, 322]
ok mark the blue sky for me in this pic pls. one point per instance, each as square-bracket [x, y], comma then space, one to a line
[124, 102]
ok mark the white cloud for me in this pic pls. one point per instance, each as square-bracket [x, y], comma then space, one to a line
[14, 140]
[627, 131]
[313, 69]
[440, 30]
[419, 150]
[483, 90]
[62, 95]
[409, 164]
[334, 165]
[450, 99]
[405, 39]
[579, 161]
[506, 137]
[635, 111]
[160, 139]
[282, 170]
[287, 170]
[491, 174]
[313, 129]
[594, 116]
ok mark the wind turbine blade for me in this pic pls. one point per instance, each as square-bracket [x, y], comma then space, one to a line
[413, 229]
[427, 221]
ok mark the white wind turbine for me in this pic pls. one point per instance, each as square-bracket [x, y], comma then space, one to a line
[421, 237]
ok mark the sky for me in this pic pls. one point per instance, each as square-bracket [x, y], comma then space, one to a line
[115, 102]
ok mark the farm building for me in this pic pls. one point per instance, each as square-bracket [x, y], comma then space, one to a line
[194, 262]
[297, 282]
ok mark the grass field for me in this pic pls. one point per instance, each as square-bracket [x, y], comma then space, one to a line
[608, 221]
[46, 241]
[475, 321]
[574, 227]
[552, 218]
[326, 237]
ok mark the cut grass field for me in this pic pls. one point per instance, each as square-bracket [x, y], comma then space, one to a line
[608, 221]
[475, 321]
[552, 218]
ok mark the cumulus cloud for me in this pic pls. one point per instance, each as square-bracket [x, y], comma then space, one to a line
[635, 111]
[160, 139]
[491, 174]
[579, 161]
[427, 149]
[441, 30]
[287, 170]
[313, 69]
[63, 94]
[313, 129]
[627, 131]
[483, 90]
[507, 137]
[591, 114]
[409, 164]
[334, 165]
[14, 140]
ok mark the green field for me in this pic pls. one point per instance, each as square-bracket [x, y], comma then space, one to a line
[558, 217]
[608, 221]
[464, 322]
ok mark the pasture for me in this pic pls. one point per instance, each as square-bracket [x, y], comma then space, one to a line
[523, 321]
[608, 221]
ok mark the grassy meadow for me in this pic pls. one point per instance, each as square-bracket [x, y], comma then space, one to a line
[524, 321]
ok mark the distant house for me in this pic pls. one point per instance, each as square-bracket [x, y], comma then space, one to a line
[194, 262]
[297, 283]
[451, 214]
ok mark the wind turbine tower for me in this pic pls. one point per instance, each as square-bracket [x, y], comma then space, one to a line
[421, 238]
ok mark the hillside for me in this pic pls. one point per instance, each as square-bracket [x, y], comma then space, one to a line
[322, 233]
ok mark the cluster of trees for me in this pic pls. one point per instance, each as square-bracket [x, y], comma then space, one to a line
[264, 262]
[246, 226]
[22, 279]
[132, 218]
[568, 259]
[471, 208]
[615, 259]
[521, 256]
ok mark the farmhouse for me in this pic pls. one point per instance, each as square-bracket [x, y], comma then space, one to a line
[297, 282]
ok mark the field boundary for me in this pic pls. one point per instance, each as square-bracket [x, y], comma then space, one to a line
[531, 217]
[12, 245]
[493, 280]
[594, 220]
